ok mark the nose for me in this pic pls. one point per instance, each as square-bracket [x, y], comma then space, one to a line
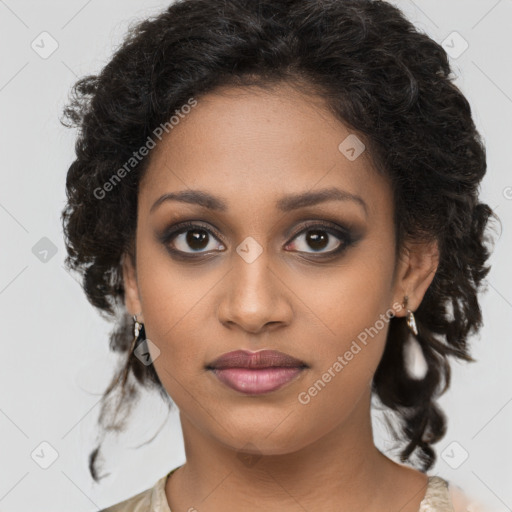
[255, 298]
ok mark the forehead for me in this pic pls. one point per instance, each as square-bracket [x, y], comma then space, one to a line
[250, 146]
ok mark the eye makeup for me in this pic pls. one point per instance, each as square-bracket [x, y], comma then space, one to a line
[189, 240]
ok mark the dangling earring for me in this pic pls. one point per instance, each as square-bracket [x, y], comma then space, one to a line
[414, 358]
[137, 327]
[411, 321]
[138, 332]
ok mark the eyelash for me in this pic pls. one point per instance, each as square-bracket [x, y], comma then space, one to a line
[343, 234]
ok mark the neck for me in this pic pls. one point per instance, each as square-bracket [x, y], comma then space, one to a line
[339, 468]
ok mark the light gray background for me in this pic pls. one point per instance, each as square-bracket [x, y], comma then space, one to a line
[55, 358]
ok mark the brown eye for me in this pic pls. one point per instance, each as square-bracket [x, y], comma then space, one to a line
[320, 239]
[191, 238]
[196, 239]
[317, 240]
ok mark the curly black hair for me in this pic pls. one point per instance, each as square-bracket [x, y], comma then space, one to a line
[379, 75]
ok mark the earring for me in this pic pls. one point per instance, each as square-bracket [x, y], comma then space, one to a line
[138, 331]
[137, 327]
[411, 321]
[415, 363]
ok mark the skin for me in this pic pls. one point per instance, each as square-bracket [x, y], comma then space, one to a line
[250, 147]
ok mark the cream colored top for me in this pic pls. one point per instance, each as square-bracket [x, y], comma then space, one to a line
[440, 496]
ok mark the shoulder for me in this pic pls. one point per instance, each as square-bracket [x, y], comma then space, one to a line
[463, 502]
[137, 503]
[445, 496]
[153, 499]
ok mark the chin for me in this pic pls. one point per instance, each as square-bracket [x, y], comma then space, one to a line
[264, 438]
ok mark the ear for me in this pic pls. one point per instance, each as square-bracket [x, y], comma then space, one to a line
[416, 269]
[131, 288]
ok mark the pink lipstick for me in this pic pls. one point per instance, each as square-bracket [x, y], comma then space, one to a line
[256, 372]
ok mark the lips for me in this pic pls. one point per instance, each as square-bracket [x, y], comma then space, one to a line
[256, 372]
[261, 359]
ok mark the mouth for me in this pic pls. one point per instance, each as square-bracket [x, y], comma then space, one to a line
[256, 373]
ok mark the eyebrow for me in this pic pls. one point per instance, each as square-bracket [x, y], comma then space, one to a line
[285, 204]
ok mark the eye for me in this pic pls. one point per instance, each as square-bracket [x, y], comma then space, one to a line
[188, 240]
[322, 239]
[191, 238]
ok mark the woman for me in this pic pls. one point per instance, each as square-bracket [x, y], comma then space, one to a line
[279, 201]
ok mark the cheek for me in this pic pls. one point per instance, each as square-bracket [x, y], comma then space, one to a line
[352, 311]
[349, 303]
[173, 300]
[346, 360]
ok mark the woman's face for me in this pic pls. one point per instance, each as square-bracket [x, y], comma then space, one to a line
[292, 249]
